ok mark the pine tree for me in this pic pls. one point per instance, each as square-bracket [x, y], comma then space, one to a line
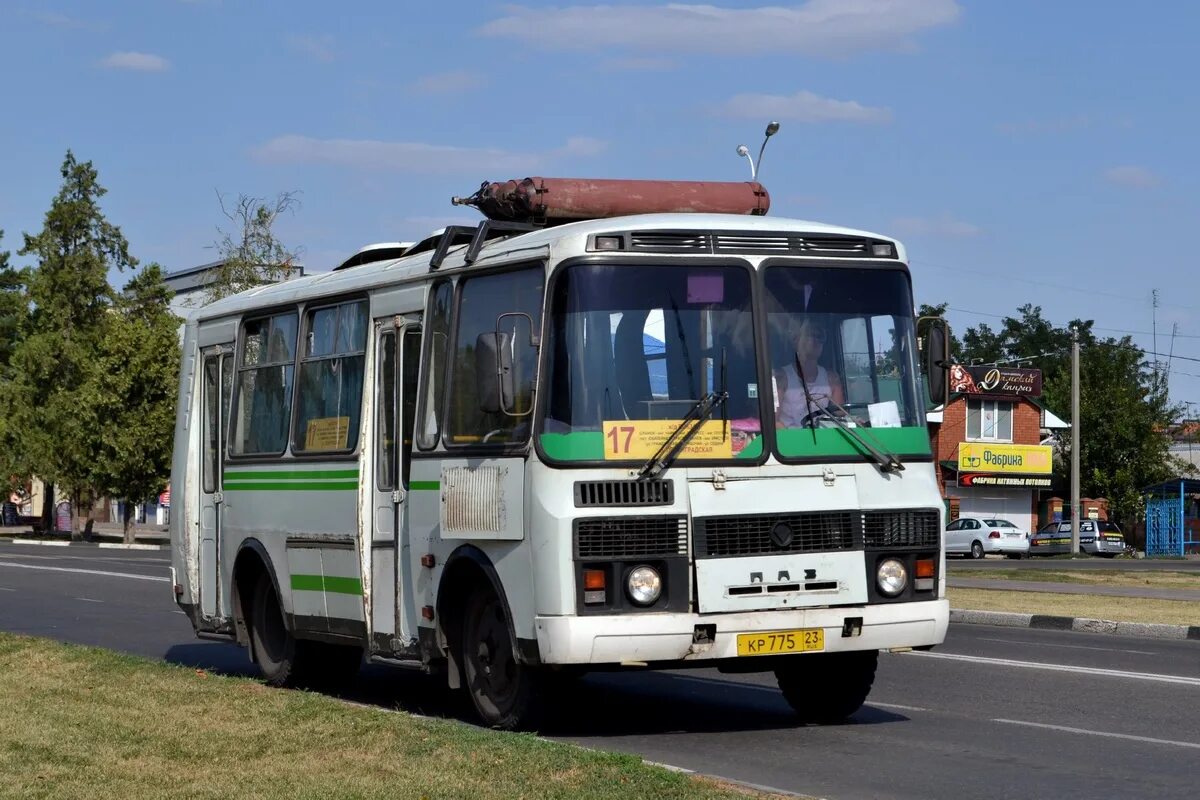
[54, 409]
[135, 388]
[14, 316]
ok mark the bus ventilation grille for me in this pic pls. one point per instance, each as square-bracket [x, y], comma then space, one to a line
[779, 243]
[630, 537]
[902, 528]
[743, 535]
[624, 493]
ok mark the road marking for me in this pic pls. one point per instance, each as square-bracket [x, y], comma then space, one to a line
[41, 557]
[86, 571]
[6, 589]
[1072, 646]
[897, 706]
[89, 600]
[1065, 729]
[1089, 671]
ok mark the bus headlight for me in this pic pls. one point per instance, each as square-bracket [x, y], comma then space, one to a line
[644, 585]
[892, 577]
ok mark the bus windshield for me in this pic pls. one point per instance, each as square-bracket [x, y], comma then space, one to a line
[841, 343]
[634, 347]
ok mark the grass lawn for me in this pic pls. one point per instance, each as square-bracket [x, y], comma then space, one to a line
[1117, 609]
[1090, 577]
[83, 722]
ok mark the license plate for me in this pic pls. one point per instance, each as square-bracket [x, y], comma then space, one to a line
[773, 642]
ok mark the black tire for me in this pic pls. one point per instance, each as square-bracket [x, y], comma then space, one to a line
[977, 550]
[827, 688]
[506, 694]
[288, 661]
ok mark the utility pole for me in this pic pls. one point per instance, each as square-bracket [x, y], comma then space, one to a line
[1075, 509]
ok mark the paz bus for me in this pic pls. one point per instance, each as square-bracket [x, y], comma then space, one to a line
[615, 425]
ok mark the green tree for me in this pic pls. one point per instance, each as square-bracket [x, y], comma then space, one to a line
[54, 408]
[1124, 417]
[938, 310]
[251, 253]
[135, 388]
[14, 316]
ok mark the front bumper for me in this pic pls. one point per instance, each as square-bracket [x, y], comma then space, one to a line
[666, 637]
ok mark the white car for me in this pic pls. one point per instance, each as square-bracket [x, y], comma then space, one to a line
[978, 536]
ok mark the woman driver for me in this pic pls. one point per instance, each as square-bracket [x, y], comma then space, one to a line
[792, 407]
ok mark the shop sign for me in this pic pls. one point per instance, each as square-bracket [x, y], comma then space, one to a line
[1011, 481]
[1016, 458]
[995, 380]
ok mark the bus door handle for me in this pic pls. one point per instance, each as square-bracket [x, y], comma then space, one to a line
[398, 496]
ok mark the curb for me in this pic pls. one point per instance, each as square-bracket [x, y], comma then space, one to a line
[1152, 630]
[107, 545]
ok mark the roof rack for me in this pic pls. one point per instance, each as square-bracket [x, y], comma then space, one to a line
[486, 230]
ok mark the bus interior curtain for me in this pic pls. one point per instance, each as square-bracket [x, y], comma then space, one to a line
[629, 357]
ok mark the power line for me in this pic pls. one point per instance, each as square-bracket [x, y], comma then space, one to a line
[1094, 327]
[1060, 286]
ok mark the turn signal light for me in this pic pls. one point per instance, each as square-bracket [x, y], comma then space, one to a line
[924, 568]
[593, 586]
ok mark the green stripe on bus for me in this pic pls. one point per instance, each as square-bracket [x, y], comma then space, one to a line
[326, 583]
[297, 486]
[285, 475]
[428, 486]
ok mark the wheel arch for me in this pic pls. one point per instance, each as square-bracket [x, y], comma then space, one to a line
[466, 568]
[252, 561]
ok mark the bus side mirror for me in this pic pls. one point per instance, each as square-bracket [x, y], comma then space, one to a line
[494, 371]
[936, 359]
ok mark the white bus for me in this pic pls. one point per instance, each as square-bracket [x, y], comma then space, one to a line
[535, 448]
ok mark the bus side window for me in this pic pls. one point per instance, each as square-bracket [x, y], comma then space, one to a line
[482, 301]
[263, 398]
[329, 403]
[434, 389]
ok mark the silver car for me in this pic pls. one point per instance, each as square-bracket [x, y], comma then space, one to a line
[1096, 537]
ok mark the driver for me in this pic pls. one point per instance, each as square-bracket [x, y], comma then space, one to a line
[791, 405]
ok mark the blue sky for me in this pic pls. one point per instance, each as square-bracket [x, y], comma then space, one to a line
[1024, 151]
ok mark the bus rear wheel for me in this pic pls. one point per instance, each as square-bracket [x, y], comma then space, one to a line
[288, 661]
[506, 694]
[829, 687]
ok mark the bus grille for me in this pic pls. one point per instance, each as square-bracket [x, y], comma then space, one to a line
[717, 537]
[902, 528]
[624, 493]
[630, 537]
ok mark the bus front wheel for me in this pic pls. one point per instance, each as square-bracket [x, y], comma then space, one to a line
[506, 694]
[829, 687]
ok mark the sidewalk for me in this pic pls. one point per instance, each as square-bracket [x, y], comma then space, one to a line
[102, 533]
[1075, 588]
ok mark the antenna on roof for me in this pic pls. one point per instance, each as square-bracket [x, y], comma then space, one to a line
[744, 152]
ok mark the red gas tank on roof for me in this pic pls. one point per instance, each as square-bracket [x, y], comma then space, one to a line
[552, 201]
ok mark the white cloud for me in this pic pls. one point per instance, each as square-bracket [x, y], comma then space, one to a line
[817, 27]
[1132, 177]
[318, 48]
[140, 62]
[944, 226]
[459, 80]
[370, 154]
[803, 106]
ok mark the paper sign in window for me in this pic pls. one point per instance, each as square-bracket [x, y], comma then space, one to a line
[327, 433]
[702, 288]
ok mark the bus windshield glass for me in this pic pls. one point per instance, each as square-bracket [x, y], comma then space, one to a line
[633, 348]
[841, 344]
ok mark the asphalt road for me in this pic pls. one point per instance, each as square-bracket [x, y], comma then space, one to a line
[994, 713]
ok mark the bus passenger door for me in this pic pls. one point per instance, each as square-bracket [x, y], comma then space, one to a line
[393, 614]
[218, 380]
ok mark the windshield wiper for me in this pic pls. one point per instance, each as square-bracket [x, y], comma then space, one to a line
[887, 461]
[700, 412]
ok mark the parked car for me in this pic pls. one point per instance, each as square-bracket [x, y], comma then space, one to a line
[1096, 537]
[978, 536]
